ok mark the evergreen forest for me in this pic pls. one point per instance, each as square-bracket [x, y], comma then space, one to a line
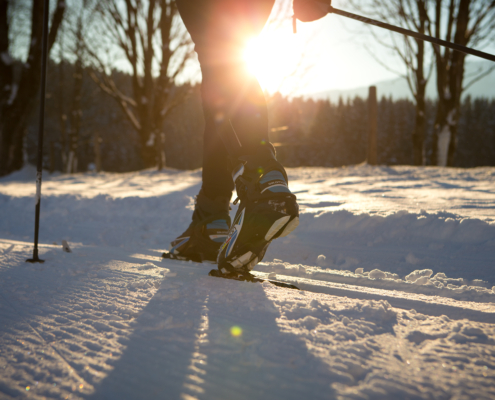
[305, 132]
[121, 96]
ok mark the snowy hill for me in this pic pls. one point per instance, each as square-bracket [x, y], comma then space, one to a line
[399, 89]
[396, 267]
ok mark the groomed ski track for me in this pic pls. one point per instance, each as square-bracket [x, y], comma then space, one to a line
[116, 328]
[395, 267]
[434, 305]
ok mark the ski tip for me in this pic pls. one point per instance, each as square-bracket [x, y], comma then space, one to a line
[216, 273]
[283, 284]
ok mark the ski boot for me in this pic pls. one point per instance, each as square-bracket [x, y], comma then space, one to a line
[206, 233]
[267, 210]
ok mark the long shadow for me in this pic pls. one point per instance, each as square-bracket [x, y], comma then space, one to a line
[157, 355]
[221, 341]
[248, 356]
[197, 337]
[63, 317]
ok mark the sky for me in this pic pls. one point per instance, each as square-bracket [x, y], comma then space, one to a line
[335, 50]
[333, 53]
[341, 53]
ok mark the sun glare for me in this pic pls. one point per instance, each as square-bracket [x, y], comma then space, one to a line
[273, 57]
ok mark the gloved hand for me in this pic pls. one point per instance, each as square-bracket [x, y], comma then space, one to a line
[310, 10]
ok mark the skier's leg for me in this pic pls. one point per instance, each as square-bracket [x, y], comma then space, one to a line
[236, 127]
[210, 221]
[233, 101]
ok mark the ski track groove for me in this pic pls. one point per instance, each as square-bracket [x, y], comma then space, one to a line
[63, 328]
[133, 327]
[432, 305]
[57, 353]
[364, 348]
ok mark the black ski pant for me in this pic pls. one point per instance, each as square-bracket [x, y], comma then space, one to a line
[234, 106]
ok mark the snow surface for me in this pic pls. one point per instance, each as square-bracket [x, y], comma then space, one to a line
[396, 267]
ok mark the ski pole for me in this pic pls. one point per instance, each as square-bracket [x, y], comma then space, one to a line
[417, 35]
[44, 52]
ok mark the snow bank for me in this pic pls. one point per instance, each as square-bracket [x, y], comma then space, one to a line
[419, 281]
[399, 226]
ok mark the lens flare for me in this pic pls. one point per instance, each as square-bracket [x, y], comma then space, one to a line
[236, 331]
[273, 57]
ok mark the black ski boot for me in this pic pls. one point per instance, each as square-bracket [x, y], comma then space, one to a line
[267, 210]
[206, 233]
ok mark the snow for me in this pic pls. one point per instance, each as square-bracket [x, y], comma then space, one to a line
[444, 137]
[395, 266]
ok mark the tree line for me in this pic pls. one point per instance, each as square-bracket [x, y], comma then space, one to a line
[103, 118]
[321, 133]
[306, 132]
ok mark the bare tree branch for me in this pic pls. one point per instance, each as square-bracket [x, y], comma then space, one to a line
[156, 48]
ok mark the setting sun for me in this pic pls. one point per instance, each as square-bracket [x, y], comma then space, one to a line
[274, 58]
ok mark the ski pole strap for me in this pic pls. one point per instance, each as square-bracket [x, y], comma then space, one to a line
[417, 35]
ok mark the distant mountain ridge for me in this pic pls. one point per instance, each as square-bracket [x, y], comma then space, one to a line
[399, 89]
